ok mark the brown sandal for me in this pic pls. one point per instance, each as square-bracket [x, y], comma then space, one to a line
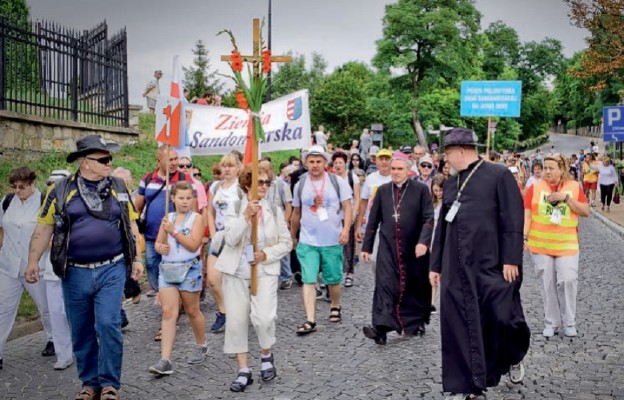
[335, 314]
[86, 394]
[109, 393]
[158, 336]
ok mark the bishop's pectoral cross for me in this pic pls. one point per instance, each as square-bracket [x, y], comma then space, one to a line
[396, 216]
[255, 59]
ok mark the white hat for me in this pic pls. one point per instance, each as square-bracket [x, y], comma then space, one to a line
[514, 170]
[373, 151]
[316, 151]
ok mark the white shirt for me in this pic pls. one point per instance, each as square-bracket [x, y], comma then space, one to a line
[222, 200]
[320, 138]
[315, 232]
[531, 181]
[18, 224]
[369, 190]
[608, 175]
[177, 252]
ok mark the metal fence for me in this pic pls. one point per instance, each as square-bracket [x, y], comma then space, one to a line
[52, 71]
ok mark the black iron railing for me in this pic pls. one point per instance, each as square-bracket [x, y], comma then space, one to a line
[52, 71]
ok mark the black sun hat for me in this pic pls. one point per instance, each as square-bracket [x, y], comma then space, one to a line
[91, 144]
[461, 137]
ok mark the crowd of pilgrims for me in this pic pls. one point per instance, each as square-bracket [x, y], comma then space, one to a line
[320, 216]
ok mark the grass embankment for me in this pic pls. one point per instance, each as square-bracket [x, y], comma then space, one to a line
[138, 158]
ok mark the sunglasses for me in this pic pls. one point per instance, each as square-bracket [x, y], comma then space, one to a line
[426, 166]
[185, 165]
[262, 182]
[197, 175]
[20, 187]
[102, 160]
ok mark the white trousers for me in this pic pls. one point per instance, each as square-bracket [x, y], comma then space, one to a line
[559, 286]
[240, 307]
[11, 290]
[61, 334]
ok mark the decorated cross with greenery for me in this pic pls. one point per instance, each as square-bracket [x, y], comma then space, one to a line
[250, 96]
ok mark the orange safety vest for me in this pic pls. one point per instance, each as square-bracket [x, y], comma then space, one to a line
[546, 237]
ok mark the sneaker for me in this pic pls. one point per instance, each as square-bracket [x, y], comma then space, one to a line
[287, 284]
[434, 310]
[197, 355]
[549, 332]
[49, 350]
[516, 373]
[151, 293]
[322, 285]
[327, 297]
[63, 364]
[162, 367]
[319, 294]
[219, 324]
[570, 331]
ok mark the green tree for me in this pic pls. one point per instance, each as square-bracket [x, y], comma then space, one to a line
[14, 9]
[539, 62]
[340, 105]
[421, 37]
[198, 78]
[501, 49]
[294, 76]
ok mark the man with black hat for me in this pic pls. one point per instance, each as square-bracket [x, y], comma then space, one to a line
[92, 219]
[477, 257]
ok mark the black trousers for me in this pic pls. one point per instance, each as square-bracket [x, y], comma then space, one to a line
[606, 194]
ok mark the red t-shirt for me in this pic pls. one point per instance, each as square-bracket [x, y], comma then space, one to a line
[528, 196]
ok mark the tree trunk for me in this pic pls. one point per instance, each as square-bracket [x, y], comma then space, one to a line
[418, 130]
[420, 134]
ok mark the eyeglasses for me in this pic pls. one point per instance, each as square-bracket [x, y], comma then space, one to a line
[102, 160]
[262, 182]
[20, 187]
[197, 175]
[429, 166]
[185, 165]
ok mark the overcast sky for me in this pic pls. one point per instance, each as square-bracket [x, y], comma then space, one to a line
[340, 30]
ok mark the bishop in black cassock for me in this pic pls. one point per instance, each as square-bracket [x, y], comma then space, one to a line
[402, 299]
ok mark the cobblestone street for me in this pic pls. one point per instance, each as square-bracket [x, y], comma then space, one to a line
[338, 362]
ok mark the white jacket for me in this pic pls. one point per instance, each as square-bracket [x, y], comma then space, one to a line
[277, 241]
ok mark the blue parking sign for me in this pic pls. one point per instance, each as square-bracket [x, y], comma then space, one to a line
[613, 124]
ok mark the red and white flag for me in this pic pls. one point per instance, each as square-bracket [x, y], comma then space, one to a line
[171, 114]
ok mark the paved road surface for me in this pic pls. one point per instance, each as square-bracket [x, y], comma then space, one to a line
[337, 362]
[569, 144]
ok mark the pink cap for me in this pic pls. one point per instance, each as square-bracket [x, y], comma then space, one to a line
[398, 155]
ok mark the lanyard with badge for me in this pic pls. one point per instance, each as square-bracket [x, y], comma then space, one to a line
[318, 200]
[555, 217]
[452, 213]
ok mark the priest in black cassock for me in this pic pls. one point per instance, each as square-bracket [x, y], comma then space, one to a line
[477, 257]
[403, 212]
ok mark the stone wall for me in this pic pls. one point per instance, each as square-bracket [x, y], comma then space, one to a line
[22, 132]
[589, 131]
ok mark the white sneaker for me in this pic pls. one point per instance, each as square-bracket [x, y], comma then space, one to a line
[570, 331]
[63, 364]
[516, 373]
[548, 332]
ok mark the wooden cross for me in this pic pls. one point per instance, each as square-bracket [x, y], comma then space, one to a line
[256, 58]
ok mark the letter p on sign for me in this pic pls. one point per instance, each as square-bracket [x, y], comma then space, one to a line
[613, 115]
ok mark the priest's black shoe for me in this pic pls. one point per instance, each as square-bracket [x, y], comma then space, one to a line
[270, 373]
[49, 350]
[420, 330]
[237, 385]
[372, 333]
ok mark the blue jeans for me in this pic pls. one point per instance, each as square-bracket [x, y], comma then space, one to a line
[93, 307]
[152, 263]
[285, 271]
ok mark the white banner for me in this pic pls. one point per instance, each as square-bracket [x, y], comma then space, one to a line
[219, 130]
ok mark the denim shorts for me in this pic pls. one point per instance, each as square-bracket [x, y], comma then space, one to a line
[192, 283]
